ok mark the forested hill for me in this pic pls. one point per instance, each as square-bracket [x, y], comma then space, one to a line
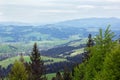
[17, 32]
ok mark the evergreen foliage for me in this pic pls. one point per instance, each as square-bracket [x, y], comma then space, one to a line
[101, 60]
[18, 72]
[79, 72]
[90, 44]
[104, 44]
[36, 65]
[111, 66]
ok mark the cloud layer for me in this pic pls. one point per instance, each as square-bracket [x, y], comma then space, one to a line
[47, 11]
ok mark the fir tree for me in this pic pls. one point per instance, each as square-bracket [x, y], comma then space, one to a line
[36, 65]
[18, 72]
[89, 44]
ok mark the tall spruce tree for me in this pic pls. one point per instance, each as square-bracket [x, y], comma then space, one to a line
[36, 65]
[89, 44]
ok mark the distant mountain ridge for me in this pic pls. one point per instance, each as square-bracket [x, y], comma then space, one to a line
[75, 22]
[92, 22]
[15, 32]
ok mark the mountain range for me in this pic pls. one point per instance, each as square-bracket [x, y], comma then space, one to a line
[80, 28]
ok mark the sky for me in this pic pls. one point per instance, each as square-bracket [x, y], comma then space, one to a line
[50, 11]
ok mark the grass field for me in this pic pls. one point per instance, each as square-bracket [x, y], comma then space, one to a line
[8, 61]
[76, 52]
[50, 76]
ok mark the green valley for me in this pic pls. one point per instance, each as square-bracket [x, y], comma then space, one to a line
[49, 60]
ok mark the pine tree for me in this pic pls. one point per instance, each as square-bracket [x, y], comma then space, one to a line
[103, 46]
[89, 44]
[36, 65]
[18, 72]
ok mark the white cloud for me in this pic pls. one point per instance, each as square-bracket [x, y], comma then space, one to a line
[58, 11]
[34, 3]
[106, 1]
[102, 0]
[112, 0]
[111, 7]
[86, 6]
[1, 13]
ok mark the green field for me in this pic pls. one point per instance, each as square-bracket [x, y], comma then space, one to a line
[50, 76]
[77, 43]
[77, 51]
[8, 61]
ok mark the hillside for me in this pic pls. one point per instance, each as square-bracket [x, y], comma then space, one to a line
[61, 44]
[47, 60]
[63, 39]
[14, 32]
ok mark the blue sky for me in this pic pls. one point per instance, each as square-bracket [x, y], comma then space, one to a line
[50, 11]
